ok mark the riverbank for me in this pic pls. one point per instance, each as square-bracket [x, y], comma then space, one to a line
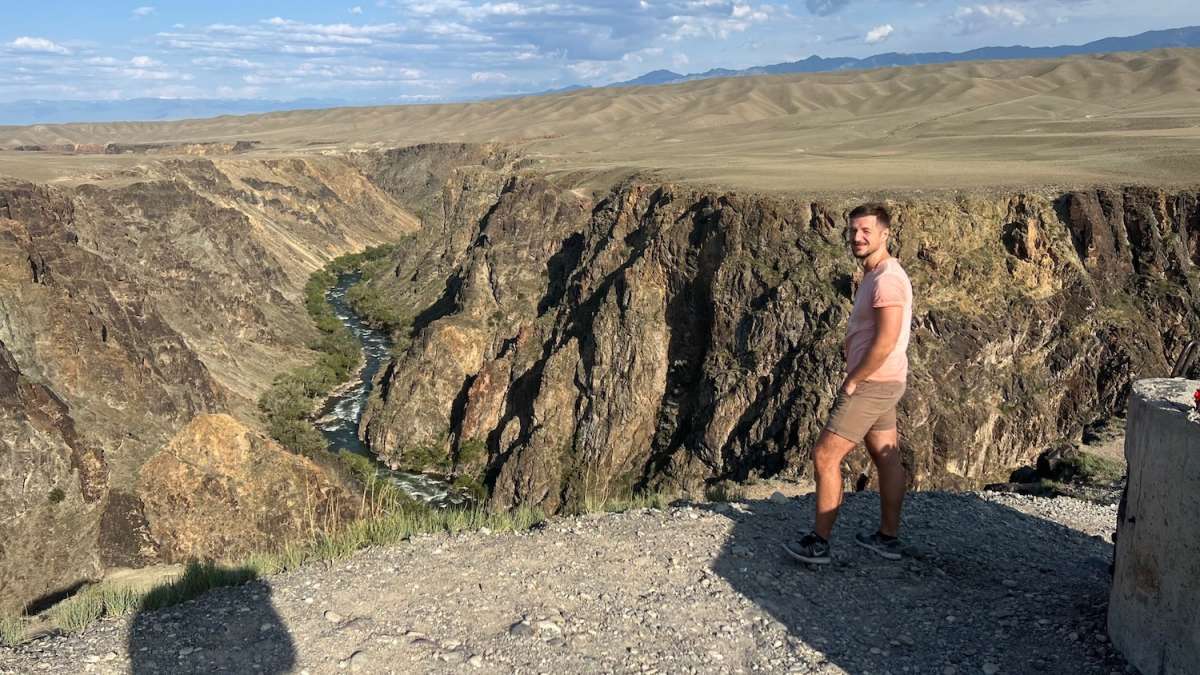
[993, 583]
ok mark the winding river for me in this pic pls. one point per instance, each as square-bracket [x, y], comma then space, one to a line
[339, 416]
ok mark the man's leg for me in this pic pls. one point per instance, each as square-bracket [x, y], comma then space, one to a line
[828, 454]
[884, 448]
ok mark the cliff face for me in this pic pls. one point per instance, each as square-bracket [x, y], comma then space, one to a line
[52, 487]
[140, 300]
[664, 335]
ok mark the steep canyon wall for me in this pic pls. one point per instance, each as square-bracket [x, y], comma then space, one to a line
[661, 335]
[131, 303]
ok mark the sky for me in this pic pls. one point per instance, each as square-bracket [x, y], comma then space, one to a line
[397, 51]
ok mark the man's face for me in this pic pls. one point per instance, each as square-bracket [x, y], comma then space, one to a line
[866, 236]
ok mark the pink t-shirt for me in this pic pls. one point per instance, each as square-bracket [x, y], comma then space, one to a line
[885, 286]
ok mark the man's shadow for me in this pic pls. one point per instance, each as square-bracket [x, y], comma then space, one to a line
[231, 629]
[981, 583]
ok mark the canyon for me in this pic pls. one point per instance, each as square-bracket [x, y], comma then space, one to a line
[574, 326]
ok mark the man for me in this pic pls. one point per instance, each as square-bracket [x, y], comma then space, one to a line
[865, 410]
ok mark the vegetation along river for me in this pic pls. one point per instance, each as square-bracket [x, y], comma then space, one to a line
[339, 416]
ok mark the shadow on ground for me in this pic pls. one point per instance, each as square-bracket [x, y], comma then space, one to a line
[983, 584]
[239, 630]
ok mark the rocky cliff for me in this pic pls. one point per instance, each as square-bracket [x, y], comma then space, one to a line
[137, 300]
[566, 346]
[54, 487]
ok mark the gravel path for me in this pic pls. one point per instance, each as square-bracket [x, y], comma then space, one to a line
[995, 583]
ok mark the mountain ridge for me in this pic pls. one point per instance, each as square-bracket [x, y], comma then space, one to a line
[1184, 36]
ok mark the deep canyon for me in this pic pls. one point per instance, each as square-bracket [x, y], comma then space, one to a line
[561, 341]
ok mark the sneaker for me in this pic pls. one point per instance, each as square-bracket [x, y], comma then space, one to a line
[811, 548]
[887, 547]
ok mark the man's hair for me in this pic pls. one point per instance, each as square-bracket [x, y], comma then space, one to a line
[881, 213]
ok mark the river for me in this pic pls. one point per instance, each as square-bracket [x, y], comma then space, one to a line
[340, 414]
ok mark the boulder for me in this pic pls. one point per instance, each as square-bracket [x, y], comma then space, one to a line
[1154, 607]
[219, 490]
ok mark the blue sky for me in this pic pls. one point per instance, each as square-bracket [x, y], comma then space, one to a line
[428, 50]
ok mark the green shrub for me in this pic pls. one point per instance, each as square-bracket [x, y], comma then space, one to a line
[420, 458]
[472, 487]
[471, 452]
[725, 491]
[1090, 468]
[57, 495]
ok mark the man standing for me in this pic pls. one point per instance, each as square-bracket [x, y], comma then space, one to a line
[865, 410]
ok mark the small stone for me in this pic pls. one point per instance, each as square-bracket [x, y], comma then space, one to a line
[358, 661]
[1009, 583]
[332, 616]
[778, 497]
[265, 627]
[476, 661]
[949, 670]
[520, 629]
[549, 627]
[990, 669]
[423, 642]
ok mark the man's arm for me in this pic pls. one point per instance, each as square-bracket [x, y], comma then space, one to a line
[888, 322]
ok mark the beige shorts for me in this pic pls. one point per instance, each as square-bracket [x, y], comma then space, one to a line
[872, 407]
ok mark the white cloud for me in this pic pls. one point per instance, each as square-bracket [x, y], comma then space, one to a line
[144, 62]
[878, 34]
[978, 18]
[143, 11]
[37, 44]
[588, 70]
[488, 77]
[225, 62]
[356, 10]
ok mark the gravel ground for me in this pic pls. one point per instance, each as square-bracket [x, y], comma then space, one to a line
[995, 583]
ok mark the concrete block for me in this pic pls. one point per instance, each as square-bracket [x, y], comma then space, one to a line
[1154, 606]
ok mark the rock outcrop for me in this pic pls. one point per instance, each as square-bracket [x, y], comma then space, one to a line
[220, 490]
[664, 335]
[52, 489]
[1154, 607]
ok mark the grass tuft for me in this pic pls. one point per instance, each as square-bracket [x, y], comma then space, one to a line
[725, 491]
[12, 630]
[79, 612]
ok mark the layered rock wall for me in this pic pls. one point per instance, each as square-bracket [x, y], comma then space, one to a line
[1154, 609]
[663, 335]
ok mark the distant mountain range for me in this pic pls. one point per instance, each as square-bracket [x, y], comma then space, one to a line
[152, 109]
[146, 109]
[1188, 36]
